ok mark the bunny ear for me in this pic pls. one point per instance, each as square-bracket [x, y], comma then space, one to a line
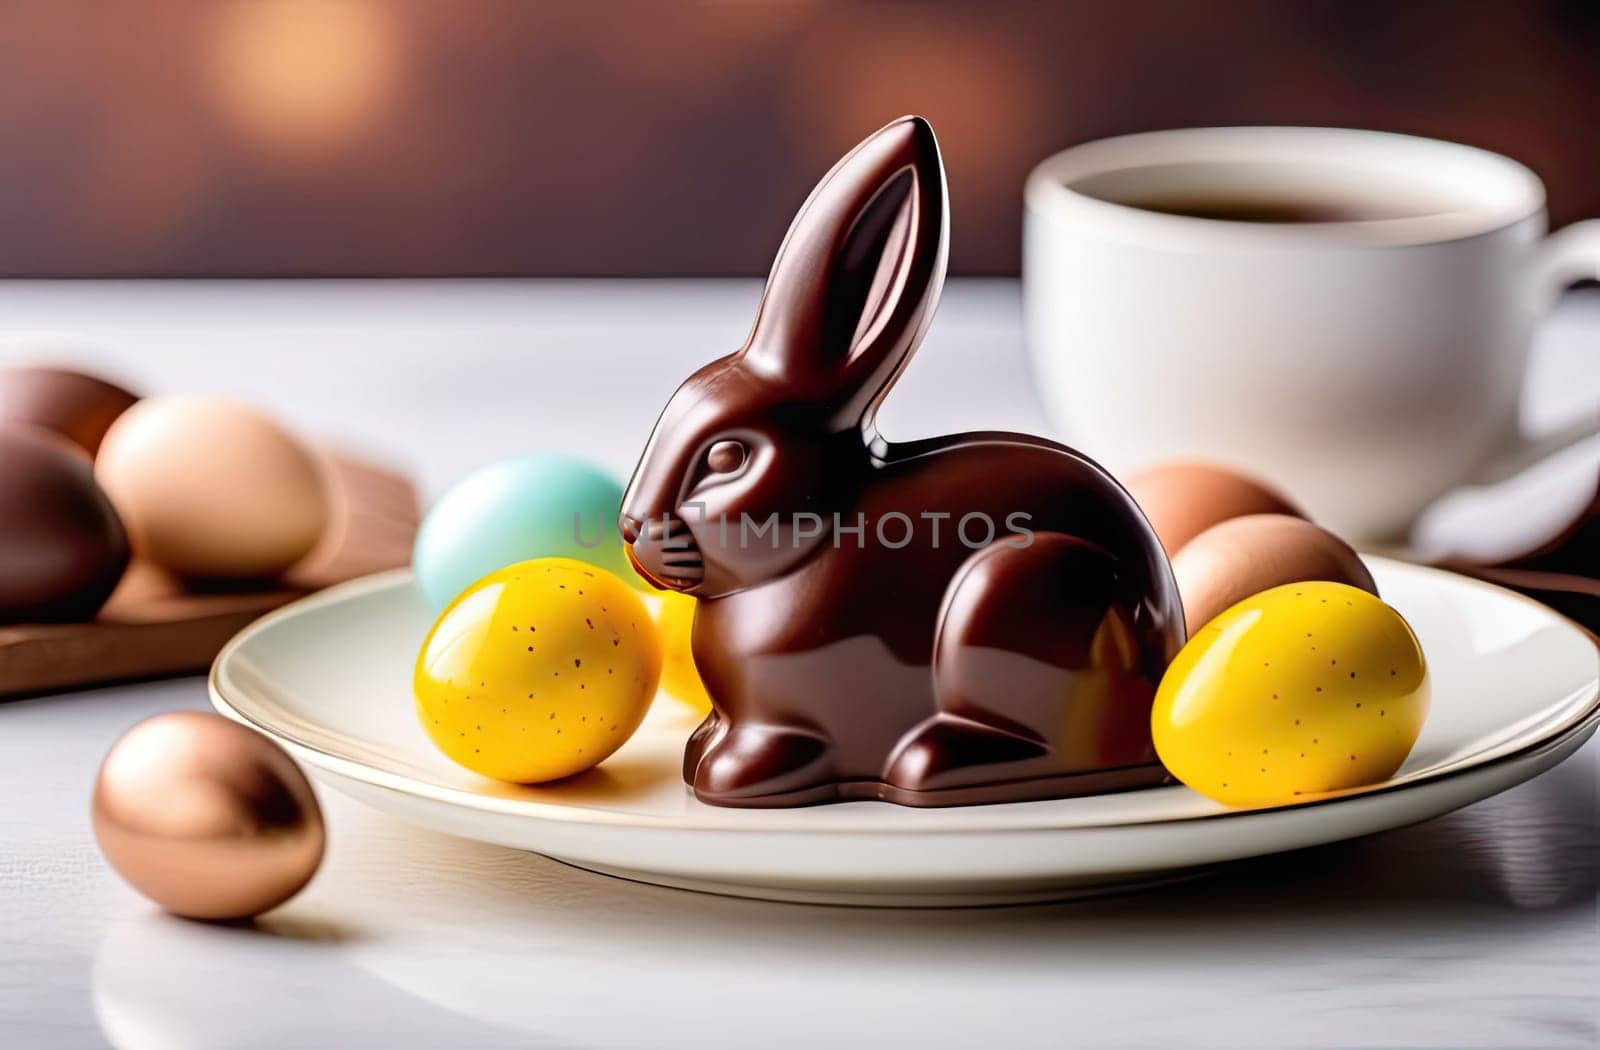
[855, 284]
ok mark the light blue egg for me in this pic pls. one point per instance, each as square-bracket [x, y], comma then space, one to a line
[547, 505]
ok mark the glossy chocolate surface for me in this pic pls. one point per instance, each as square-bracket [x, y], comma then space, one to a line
[77, 406]
[976, 618]
[62, 547]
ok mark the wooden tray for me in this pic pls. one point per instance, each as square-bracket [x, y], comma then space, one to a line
[154, 627]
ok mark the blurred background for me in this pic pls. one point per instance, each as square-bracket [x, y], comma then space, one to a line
[496, 137]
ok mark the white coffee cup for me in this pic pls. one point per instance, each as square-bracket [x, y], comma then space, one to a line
[1364, 363]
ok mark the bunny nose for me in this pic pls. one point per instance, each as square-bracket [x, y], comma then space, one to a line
[630, 527]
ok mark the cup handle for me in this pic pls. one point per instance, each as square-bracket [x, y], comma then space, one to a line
[1569, 255]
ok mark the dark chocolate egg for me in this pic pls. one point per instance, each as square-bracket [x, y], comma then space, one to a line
[62, 547]
[77, 406]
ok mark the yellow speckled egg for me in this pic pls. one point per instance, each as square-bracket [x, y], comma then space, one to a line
[539, 670]
[1301, 689]
[679, 677]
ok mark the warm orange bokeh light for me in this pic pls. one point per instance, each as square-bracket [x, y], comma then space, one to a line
[299, 76]
[954, 70]
[408, 137]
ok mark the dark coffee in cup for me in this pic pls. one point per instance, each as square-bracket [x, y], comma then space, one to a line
[1353, 330]
[1286, 210]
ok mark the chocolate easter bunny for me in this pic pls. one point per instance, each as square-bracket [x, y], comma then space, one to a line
[976, 618]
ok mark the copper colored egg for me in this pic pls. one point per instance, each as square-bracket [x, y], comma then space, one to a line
[205, 817]
[1229, 562]
[79, 407]
[62, 547]
[1182, 500]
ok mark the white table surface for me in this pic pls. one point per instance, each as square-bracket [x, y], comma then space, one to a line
[1476, 929]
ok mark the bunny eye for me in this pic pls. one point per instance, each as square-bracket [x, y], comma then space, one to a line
[725, 457]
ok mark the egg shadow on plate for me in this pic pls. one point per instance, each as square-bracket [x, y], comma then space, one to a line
[621, 778]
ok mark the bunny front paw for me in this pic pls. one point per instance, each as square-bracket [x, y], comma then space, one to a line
[947, 751]
[762, 766]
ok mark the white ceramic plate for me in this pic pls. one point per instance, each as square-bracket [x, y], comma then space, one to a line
[1514, 692]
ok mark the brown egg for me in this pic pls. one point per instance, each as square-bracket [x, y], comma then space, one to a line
[77, 406]
[1183, 499]
[1229, 562]
[62, 549]
[210, 488]
[205, 817]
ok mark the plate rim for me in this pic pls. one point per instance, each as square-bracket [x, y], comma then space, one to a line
[1585, 719]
